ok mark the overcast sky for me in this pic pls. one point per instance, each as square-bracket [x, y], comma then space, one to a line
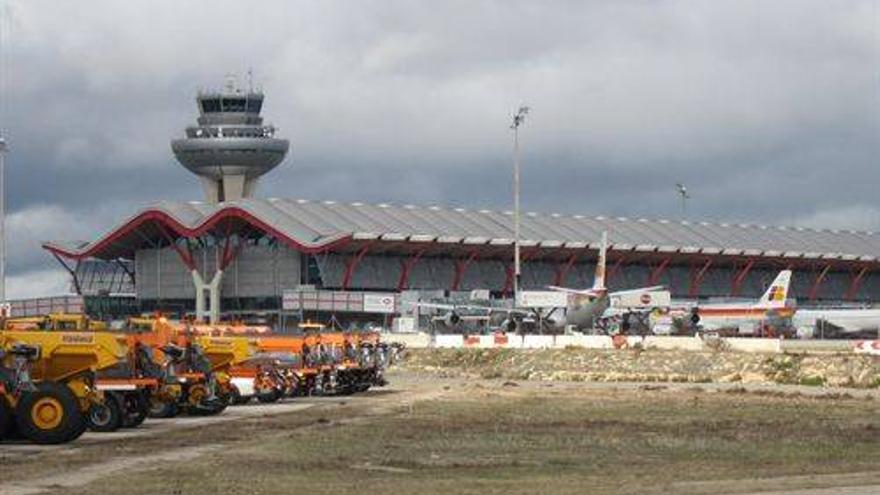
[767, 111]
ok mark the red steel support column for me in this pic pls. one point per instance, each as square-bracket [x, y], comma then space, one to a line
[406, 267]
[615, 269]
[461, 267]
[229, 253]
[697, 279]
[352, 264]
[562, 271]
[740, 277]
[814, 289]
[508, 279]
[657, 272]
[185, 254]
[855, 284]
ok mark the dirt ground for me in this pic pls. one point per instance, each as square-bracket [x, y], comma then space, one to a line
[427, 434]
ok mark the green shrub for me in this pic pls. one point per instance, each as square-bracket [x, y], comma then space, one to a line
[813, 381]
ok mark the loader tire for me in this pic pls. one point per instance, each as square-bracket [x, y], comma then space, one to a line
[136, 406]
[106, 417]
[5, 419]
[269, 397]
[50, 414]
[164, 410]
[235, 397]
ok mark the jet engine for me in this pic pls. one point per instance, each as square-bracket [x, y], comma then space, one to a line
[451, 319]
[509, 325]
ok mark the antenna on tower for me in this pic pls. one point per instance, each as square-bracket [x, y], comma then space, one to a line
[250, 76]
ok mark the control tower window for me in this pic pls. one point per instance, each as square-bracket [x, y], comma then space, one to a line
[253, 106]
[210, 106]
[233, 104]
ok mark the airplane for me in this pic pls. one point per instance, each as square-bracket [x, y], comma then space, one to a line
[590, 306]
[585, 309]
[828, 323]
[770, 310]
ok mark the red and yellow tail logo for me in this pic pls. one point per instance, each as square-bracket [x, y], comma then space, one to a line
[777, 293]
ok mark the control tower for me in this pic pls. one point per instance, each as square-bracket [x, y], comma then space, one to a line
[230, 148]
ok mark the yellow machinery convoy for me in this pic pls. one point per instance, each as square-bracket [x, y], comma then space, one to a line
[63, 373]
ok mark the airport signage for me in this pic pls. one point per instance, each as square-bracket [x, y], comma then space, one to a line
[338, 301]
[290, 300]
[379, 303]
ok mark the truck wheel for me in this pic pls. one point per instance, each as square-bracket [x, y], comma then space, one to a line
[50, 414]
[269, 397]
[159, 409]
[106, 417]
[235, 398]
[136, 406]
[5, 419]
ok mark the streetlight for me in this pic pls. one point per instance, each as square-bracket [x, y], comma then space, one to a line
[518, 120]
[3, 149]
[683, 192]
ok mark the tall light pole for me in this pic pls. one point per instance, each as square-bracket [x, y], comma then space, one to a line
[518, 120]
[683, 192]
[3, 149]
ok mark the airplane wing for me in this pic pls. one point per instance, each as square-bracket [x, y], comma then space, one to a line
[653, 288]
[579, 292]
[447, 307]
[848, 320]
[473, 307]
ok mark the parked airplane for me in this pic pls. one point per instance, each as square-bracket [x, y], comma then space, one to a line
[589, 306]
[586, 307]
[769, 311]
[830, 323]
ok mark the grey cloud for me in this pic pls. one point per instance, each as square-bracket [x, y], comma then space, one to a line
[766, 110]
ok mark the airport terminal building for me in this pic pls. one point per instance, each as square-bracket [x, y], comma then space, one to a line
[266, 246]
[234, 253]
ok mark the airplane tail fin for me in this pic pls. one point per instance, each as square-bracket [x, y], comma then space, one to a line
[599, 279]
[777, 292]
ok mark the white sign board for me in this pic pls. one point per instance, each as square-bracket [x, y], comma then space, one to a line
[379, 303]
[543, 299]
[290, 300]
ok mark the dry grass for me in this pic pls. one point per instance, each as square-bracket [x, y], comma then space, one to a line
[485, 437]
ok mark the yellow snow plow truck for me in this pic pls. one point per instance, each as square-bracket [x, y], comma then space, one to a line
[47, 382]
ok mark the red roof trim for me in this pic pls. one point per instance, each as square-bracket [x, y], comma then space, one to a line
[169, 221]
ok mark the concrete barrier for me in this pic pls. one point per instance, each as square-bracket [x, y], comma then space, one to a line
[514, 341]
[817, 346]
[596, 341]
[563, 341]
[867, 347]
[538, 341]
[444, 340]
[741, 344]
[411, 340]
[673, 343]
[744, 344]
